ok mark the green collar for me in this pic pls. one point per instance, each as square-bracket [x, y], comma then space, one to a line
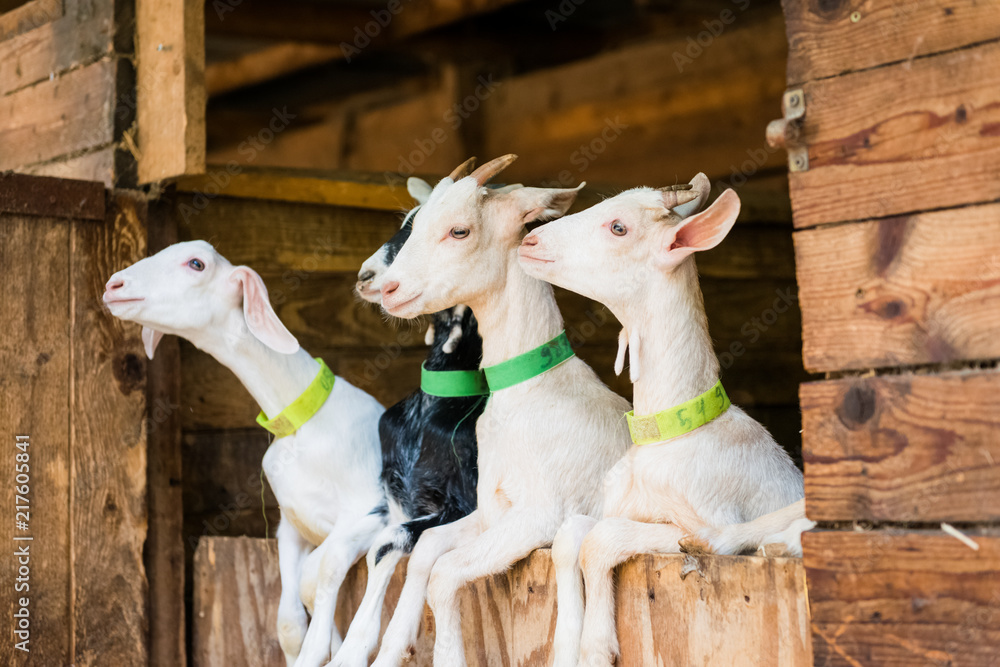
[302, 408]
[453, 384]
[530, 364]
[679, 419]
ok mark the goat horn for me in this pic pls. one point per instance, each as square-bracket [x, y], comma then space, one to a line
[679, 186]
[463, 170]
[677, 195]
[490, 169]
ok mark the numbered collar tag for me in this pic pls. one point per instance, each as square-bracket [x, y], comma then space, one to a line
[679, 419]
[531, 364]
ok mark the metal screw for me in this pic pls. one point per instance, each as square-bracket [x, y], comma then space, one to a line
[793, 101]
[855, 17]
[799, 163]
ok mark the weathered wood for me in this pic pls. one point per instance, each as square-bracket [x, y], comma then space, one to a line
[51, 197]
[222, 472]
[107, 442]
[303, 186]
[647, 113]
[97, 165]
[903, 448]
[757, 604]
[902, 599]
[264, 64]
[826, 39]
[85, 32]
[29, 16]
[35, 358]
[908, 290]
[73, 112]
[170, 114]
[909, 137]
[164, 474]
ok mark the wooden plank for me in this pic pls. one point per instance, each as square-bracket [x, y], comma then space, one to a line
[758, 604]
[222, 472]
[264, 64]
[827, 39]
[273, 237]
[29, 16]
[51, 197]
[616, 117]
[903, 448]
[97, 165]
[85, 32]
[904, 138]
[903, 599]
[303, 186]
[164, 559]
[716, 610]
[73, 112]
[34, 398]
[107, 446]
[170, 36]
[908, 290]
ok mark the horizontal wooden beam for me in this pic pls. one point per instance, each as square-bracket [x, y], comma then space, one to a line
[903, 448]
[830, 39]
[908, 290]
[265, 64]
[905, 138]
[51, 197]
[899, 599]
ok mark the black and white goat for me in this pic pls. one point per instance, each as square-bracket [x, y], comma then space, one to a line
[428, 448]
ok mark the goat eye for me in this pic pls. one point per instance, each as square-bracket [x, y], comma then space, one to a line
[197, 265]
[618, 229]
[459, 233]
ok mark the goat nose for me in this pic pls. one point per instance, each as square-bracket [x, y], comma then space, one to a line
[389, 288]
[365, 276]
[530, 240]
[115, 283]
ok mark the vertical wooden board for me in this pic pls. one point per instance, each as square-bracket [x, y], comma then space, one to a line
[533, 610]
[718, 610]
[170, 50]
[164, 479]
[83, 33]
[34, 397]
[826, 39]
[236, 593]
[910, 137]
[899, 599]
[903, 448]
[910, 290]
[70, 113]
[107, 445]
[486, 622]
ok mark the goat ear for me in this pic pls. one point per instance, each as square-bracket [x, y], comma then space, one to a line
[703, 187]
[150, 339]
[419, 189]
[702, 231]
[544, 203]
[261, 319]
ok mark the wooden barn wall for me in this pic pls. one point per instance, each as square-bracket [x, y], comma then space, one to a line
[73, 382]
[67, 89]
[898, 258]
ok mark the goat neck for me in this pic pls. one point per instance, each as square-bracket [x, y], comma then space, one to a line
[670, 349]
[274, 379]
[518, 316]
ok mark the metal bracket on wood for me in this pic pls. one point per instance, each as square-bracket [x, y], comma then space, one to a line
[784, 132]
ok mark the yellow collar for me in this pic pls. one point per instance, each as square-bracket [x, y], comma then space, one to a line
[679, 419]
[302, 409]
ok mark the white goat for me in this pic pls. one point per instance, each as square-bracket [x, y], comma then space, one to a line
[545, 444]
[634, 253]
[325, 475]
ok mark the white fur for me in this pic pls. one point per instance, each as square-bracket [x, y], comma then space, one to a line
[544, 444]
[727, 472]
[325, 476]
